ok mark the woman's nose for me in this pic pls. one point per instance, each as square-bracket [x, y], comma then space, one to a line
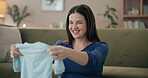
[74, 26]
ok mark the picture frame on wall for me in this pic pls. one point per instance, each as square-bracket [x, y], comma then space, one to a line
[52, 5]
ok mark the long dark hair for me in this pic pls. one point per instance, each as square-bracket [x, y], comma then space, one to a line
[91, 32]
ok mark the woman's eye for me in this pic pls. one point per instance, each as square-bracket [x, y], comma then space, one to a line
[79, 22]
[70, 22]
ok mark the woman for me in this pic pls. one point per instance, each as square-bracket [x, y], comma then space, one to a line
[83, 53]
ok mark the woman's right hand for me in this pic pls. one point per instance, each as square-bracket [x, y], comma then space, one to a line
[14, 52]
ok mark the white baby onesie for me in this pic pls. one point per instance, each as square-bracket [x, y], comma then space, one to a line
[36, 62]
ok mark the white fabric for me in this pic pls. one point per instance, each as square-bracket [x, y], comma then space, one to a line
[36, 62]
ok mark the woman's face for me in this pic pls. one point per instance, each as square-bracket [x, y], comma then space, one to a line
[77, 26]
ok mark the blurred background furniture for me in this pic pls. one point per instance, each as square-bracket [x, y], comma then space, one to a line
[127, 57]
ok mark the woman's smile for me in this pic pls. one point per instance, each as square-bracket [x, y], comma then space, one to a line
[75, 32]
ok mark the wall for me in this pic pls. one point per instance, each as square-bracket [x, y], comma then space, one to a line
[39, 18]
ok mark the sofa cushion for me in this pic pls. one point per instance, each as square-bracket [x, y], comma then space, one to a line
[124, 72]
[127, 47]
[6, 71]
[8, 36]
[49, 36]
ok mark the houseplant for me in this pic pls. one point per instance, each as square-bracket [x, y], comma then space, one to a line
[110, 13]
[17, 17]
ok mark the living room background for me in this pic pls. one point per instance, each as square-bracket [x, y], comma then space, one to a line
[45, 19]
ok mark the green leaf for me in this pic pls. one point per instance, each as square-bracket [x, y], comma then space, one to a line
[111, 18]
[115, 15]
[26, 15]
[24, 10]
[112, 9]
[114, 23]
[106, 13]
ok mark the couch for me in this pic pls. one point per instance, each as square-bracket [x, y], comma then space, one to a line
[127, 57]
[8, 36]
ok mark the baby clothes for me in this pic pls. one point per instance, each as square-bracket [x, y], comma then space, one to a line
[36, 62]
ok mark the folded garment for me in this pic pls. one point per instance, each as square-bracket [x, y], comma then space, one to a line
[36, 62]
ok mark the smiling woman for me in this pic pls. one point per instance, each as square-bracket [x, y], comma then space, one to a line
[77, 25]
[83, 53]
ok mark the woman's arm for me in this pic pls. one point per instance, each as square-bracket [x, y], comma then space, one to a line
[78, 56]
[60, 53]
[89, 59]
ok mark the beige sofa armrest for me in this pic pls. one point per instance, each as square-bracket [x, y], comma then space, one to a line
[8, 36]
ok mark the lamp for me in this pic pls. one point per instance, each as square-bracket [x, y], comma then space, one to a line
[3, 7]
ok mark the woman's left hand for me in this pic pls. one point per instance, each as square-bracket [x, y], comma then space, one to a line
[58, 52]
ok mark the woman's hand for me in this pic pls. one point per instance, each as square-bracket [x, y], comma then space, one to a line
[14, 52]
[58, 52]
[61, 52]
